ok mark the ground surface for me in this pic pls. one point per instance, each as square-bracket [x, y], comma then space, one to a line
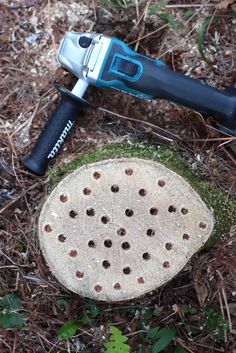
[200, 303]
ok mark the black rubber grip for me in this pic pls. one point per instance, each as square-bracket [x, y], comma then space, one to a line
[173, 86]
[54, 132]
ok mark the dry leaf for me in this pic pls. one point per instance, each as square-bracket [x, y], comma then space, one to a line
[201, 291]
[223, 5]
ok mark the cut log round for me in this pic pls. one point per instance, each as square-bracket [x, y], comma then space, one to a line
[117, 229]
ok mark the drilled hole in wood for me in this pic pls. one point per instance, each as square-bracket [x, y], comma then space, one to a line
[129, 171]
[98, 288]
[108, 243]
[114, 188]
[142, 192]
[73, 253]
[62, 238]
[168, 246]
[73, 214]
[172, 209]
[202, 225]
[96, 175]
[129, 212]
[184, 210]
[121, 231]
[150, 232]
[153, 211]
[48, 228]
[126, 270]
[140, 280]
[166, 264]
[186, 236]
[90, 212]
[63, 198]
[105, 219]
[117, 286]
[146, 256]
[106, 264]
[161, 183]
[125, 245]
[79, 274]
[91, 244]
[87, 191]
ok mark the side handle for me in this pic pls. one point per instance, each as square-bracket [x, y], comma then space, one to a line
[54, 132]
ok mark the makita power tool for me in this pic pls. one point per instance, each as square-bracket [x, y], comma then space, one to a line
[109, 63]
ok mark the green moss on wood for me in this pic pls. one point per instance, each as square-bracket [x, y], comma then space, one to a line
[224, 208]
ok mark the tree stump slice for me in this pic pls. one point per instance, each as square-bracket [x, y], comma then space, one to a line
[119, 228]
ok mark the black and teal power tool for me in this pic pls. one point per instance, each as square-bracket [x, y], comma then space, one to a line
[109, 63]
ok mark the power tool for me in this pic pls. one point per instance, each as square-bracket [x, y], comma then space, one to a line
[107, 62]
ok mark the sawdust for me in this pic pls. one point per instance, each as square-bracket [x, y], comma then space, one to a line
[46, 24]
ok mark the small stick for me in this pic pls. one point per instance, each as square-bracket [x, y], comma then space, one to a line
[151, 33]
[187, 6]
[227, 309]
[222, 313]
[143, 122]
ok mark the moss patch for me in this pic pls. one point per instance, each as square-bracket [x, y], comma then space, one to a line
[224, 208]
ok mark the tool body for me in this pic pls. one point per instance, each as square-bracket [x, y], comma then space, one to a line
[109, 63]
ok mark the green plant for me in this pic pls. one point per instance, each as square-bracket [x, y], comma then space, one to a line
[124, 4]
[161, 5]
[69, 328]
[206, 23]
[179, 349]
[62, 303]
[11, 312]
[116, 342]
[166, 16]
[159, 338]
[214, 323]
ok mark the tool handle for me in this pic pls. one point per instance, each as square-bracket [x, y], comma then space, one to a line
[165, 83]
[147, 78]
[54, 133]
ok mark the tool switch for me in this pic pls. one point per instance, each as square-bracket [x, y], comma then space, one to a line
[125, 67]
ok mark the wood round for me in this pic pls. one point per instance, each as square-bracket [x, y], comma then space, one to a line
[117, 229]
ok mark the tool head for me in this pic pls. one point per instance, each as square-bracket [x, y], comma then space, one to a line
[83, 54]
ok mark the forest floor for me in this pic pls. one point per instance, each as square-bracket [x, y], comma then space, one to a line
[197, 38]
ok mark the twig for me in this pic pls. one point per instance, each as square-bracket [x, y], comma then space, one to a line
[229, 155]
[6, 344]
[27, 122]
[135, 333]
[188, 6]
[46, 340]
[16, 199]
[188, 35]
[222, 313]
[9, 266]
[137, 9]
[208, 347]
[50, 26]
[151, 33]
[145, 123]
[225, 143]
[215, 139]
[14, 344]
[139, 20]
[227, 309]
[178, 340]
[94, 11]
